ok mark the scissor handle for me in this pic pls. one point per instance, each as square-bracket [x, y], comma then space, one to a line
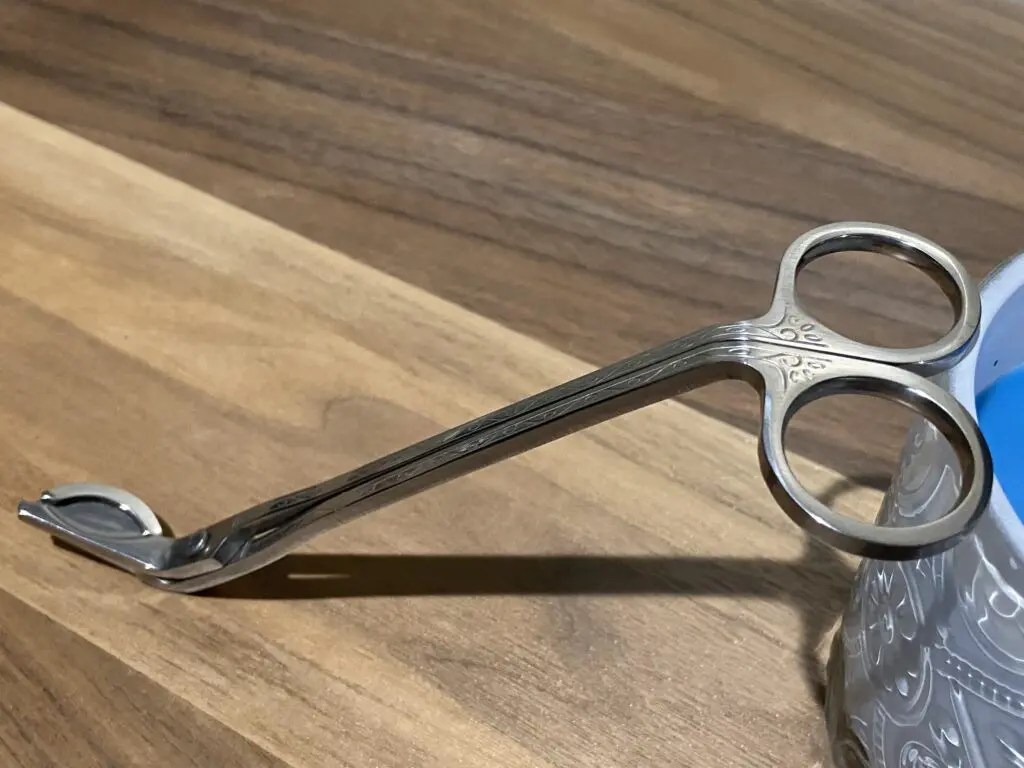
[946, 271]
[824, 362]
[783, 398]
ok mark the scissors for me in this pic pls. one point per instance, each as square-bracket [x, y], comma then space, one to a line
[789, 357]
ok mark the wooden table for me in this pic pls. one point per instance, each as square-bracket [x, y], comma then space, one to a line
[601, 175]
[246, 246]
[628, 595]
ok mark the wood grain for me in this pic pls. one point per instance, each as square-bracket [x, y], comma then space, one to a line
[66, 702]
[599, 174]
[626, 596]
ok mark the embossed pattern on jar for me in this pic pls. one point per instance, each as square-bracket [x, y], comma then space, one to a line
[927, 667]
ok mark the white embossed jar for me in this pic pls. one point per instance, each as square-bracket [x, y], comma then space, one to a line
[927, 667]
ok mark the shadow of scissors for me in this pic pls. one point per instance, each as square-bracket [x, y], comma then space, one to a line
[786, 355]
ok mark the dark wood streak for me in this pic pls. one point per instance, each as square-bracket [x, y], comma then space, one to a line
[66, 702]
[530, 175]
[886, 99]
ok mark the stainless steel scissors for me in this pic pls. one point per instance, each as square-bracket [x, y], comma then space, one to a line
[787, 355]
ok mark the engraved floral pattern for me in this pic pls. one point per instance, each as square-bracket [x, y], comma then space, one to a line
[917, 755]
[795, 328]
[893, 658]
[798, 368]
[946, 750]
[934, 673]
[889, 624]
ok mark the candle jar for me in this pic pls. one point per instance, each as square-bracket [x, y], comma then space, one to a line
[926, 668]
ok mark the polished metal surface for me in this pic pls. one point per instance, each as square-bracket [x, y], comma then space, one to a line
[787, 355]
[926, 667]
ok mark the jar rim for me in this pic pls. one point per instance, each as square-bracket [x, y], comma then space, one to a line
[1004, 284]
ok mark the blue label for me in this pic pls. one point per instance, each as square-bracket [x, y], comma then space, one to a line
[1001, 419]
